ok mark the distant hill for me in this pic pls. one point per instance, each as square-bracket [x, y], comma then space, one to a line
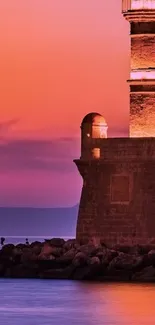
[38, 221]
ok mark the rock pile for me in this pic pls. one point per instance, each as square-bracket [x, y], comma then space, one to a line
[59, 259]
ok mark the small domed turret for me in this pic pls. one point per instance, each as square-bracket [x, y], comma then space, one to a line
[94, 118]
[93, 127]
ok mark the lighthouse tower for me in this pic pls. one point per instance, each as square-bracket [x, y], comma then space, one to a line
[141, 16]
[117, 204]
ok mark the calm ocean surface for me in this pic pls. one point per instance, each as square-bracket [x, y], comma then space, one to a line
[52, 302]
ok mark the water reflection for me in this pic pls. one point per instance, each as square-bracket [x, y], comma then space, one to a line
[123, 303]
[39, 302]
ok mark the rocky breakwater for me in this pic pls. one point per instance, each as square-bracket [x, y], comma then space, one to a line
[59, 259]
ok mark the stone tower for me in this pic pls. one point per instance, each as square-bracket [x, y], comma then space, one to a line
[141, 16]
[118, 195]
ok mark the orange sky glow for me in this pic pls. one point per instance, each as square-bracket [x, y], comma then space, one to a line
[59, 60]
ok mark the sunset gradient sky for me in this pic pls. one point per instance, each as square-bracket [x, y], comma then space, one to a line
[59, 60]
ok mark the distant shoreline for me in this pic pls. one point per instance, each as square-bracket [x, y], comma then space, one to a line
[49, 237]
[21, 239]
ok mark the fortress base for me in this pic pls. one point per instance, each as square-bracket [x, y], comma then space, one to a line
[118, 195]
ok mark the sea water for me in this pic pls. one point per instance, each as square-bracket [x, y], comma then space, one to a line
[55, 302]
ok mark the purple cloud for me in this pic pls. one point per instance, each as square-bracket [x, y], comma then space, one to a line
[56, 155]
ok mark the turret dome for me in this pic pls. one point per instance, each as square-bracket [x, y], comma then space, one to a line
[94, 118]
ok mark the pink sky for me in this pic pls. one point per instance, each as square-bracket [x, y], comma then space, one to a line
[59, 60]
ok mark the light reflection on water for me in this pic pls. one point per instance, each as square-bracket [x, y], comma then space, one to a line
[52, 302]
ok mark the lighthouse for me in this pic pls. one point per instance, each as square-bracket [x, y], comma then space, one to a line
[141, 16]
[117, 204]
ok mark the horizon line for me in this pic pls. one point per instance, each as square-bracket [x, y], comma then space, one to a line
[32, 207]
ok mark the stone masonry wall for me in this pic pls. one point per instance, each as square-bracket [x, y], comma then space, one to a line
[142, 94]
[118, 196]
[142, 114]
[142, 52]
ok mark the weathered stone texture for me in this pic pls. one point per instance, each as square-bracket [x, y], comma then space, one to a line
[142, 114]
[143, 52]
[131, 218]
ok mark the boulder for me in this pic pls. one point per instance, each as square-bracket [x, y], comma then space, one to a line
[88, 249]
[51, 258]
[125, 262]
[145, 262]
[121, 248]
[151, 256]
[69, 244]
[47, 263]
[108, 256]
[56, 251]
[68, 256]
[17, 251]
[43, 257]
[100, 255]
[87, 272]
[57, 242]
[94, 261]
[8, 249]
[28, 256]
[46, 250]
[147, 274]
[36, 244]
[46, 258]
[135, 250]
[80, 259]
[21, 246]
[36, 249]
[6, 259]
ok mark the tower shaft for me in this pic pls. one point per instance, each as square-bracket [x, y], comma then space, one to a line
[141, 16]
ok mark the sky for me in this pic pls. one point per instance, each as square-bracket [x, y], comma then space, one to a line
[59, 60]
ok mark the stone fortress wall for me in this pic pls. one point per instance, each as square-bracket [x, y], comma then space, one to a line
[118, 195]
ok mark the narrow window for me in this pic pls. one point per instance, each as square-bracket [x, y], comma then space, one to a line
[96, 153]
